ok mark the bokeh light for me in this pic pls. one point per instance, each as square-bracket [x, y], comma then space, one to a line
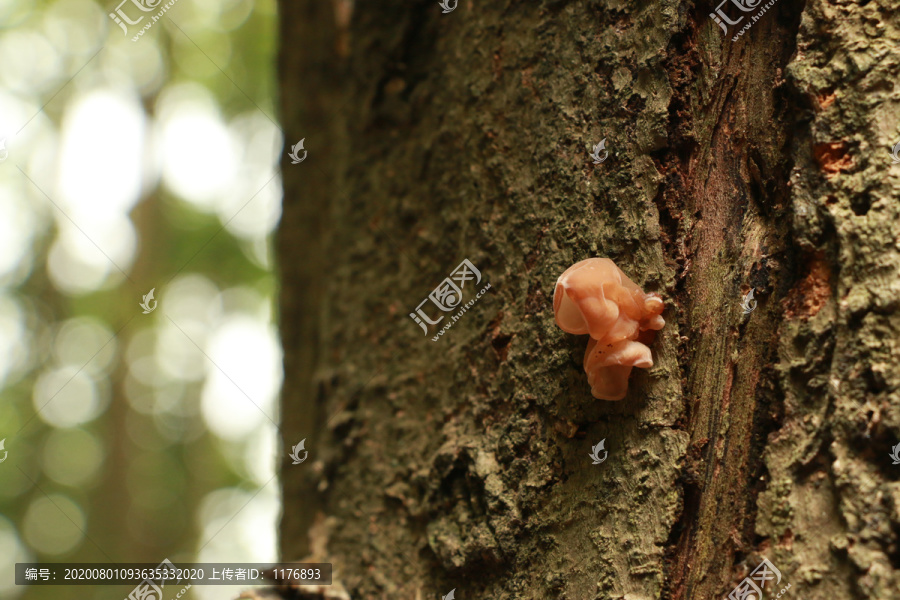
[72, 457]
[53, 525]
[132, 166]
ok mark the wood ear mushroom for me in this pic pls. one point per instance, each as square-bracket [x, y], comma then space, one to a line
[595, 297]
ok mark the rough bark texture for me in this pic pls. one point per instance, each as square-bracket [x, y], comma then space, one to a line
[760, 164]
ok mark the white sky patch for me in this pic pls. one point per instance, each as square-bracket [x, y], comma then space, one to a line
[260, 455]
[17, 226]
[99, 182]
[199, 153]
[102, 149]
[253, 210]
[237, 526]
[247, 350]
[260, 142]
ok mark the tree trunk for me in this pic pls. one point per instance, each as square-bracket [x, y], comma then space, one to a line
[756, 160]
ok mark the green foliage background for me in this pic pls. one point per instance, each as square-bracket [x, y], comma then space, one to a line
[127, 485]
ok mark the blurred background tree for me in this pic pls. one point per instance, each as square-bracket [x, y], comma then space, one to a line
[131, 166]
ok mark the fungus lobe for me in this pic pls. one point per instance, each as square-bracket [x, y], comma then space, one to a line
[595, 297]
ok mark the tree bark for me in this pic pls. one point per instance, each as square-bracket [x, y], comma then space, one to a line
[761, 162]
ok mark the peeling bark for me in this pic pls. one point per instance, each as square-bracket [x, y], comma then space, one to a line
[759, 164]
